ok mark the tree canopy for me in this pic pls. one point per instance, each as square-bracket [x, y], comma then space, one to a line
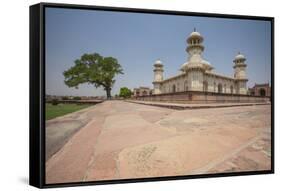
[93, 69]
[125, 92]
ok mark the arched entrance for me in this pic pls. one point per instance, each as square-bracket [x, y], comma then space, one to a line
[144, 93]
[231, 89]
[205, 86]
[185, 86]
[174, 88]
[262, 92]
[219, 88]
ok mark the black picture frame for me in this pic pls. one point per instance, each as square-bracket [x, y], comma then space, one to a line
[37, 94]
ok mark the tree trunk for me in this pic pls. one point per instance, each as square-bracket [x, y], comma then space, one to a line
[108, 94]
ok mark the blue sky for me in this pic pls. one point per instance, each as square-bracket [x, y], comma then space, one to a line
[137, 40]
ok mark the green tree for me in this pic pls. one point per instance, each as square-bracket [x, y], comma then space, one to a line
[77, 98]
[125, 92]
[55, 101]
[65, 98]
[93, 69]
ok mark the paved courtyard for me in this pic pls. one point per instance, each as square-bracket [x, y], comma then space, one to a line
[117, 139]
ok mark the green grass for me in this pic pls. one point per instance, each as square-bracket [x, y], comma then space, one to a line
[53, 111]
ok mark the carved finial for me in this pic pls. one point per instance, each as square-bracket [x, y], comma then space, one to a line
[194, 29]
[238, 52]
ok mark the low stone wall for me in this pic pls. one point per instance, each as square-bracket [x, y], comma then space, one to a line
[203, 97]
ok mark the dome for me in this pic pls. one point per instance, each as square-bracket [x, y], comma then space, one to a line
[184, 65]
[195, 34]
[158, 62]
[240, 56]
[205, 62]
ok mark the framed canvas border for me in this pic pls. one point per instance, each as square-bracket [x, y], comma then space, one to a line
[37, 94]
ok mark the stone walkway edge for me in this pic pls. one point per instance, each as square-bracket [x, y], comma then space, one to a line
[180, 106]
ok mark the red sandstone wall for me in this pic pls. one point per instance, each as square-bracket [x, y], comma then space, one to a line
[266, 88]
[202, 97]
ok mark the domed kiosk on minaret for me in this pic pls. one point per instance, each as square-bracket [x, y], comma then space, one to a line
[158, 76]
[195, 50]
[240, 72]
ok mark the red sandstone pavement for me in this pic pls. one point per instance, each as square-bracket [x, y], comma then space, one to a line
[127, 140]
